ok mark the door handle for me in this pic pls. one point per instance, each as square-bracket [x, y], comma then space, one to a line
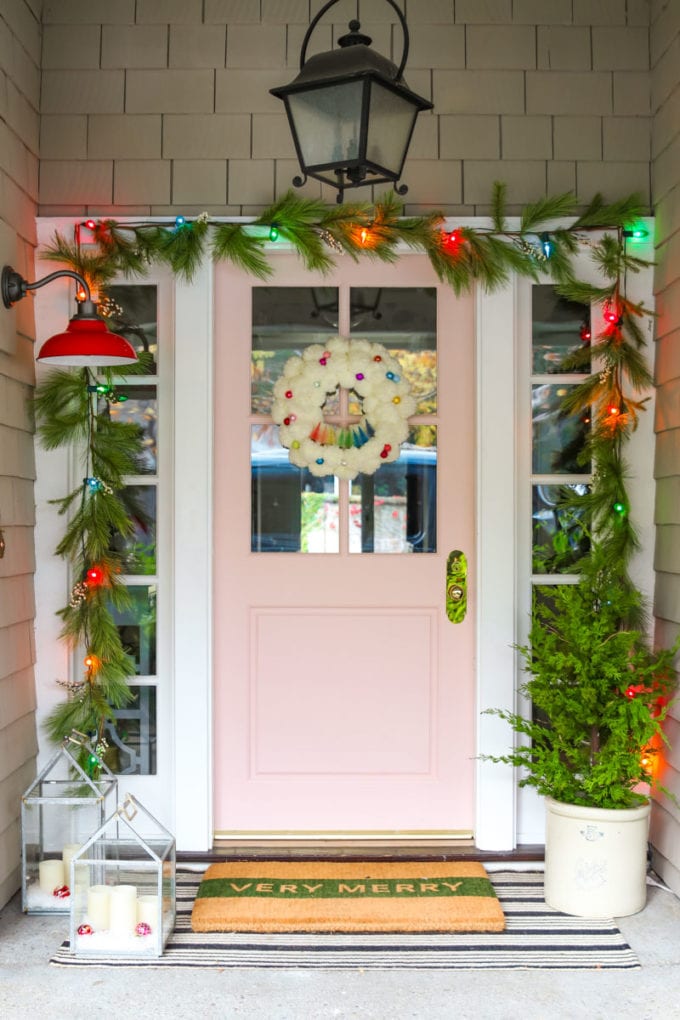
[456, 586]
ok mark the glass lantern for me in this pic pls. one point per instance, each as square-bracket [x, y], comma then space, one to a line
[123, 878]
[60, 810]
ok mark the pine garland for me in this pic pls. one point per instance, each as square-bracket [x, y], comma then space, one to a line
[66, 405]
[462, 258]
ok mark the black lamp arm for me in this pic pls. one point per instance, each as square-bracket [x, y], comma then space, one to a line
[15, 287]
[331, 3]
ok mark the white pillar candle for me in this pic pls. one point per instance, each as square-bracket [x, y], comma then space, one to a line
[50, 875]
[66, 855]
[123, 909]
[147, 910]
[98, 902]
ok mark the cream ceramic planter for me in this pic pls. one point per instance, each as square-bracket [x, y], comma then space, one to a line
[595, 859]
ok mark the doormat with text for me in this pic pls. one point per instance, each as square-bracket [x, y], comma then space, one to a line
[330, 896]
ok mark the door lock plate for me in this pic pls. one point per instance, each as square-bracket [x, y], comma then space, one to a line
[456, 586]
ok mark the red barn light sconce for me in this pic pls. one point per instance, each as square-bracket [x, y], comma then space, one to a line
[86, 341]
[350, 111]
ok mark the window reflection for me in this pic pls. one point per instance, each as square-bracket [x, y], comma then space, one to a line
[559, 327]
[404, 320]
[395, 509]
[558, 440]
[138, 550]
[133, 737]
[137, 628]
[291, 509]
[559, 536]
[140, 408]
[134, 315]
[285, 321]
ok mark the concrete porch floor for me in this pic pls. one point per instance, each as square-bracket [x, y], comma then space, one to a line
[31, 988]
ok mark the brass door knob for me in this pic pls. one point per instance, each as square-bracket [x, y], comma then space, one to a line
[455, 592]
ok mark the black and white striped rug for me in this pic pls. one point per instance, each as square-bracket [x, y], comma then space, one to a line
[535, 936]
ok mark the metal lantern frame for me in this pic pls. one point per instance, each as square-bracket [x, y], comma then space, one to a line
[81, 792]
[353, 63]
[145, 861]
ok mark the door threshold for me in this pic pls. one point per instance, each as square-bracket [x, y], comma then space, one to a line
[365, 850]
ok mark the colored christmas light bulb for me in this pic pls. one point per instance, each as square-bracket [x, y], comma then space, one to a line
[95, 575]
[273, 232]
[180, 221]
[585, 333]
[451, 241]
[546, 245]
[610, 314]
[637, 233]
[613, 410]
[93, 484]
[364, 235]
[90, 224]
[619, 508]
[92, 662]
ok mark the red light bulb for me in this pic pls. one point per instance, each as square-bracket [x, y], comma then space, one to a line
[92, 662]
[90, 224]
[451, 241]
[95, 575]
[613, 410]
[585, 333]
[611, 315]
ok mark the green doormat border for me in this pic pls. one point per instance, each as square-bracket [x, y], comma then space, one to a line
[535, 937]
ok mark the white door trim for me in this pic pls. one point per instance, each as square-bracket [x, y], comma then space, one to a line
[496, 341]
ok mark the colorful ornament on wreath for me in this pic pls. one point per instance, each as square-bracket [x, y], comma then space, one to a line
[344, 450]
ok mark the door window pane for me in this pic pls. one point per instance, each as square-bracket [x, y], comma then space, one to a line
[138, 550]
[559, 327]
[395, 509]
[558, 536]
[134, 315]
[404, 320]
[133, 738]
[141, 408]
[557, 440]
[291, 509]
[137, 628]
[285, 321]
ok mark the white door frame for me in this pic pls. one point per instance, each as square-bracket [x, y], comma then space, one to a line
[499, 431]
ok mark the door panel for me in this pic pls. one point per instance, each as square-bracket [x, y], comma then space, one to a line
[344, 697]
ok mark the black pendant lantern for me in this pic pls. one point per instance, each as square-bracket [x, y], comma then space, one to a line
[350, 112]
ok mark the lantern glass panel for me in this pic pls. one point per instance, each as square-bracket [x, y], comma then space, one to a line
[59, 812]
[328, 123]
[390, 122]
[124, 887]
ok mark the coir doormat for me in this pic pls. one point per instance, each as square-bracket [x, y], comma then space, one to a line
[330, 896]
[535, 937]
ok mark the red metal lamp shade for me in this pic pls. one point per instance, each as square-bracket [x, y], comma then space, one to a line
[86, 342]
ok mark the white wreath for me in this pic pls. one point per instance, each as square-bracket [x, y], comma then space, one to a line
[301, 391]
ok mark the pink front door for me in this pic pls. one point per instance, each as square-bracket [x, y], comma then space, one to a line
[343, 696]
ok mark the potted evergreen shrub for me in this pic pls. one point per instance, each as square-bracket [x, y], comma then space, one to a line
[599, 695]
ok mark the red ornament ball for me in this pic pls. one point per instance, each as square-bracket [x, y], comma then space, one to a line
[377, 358]
[289, 394]
[286, 421]
[85, 929]
[61, 892]
[143, 928]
